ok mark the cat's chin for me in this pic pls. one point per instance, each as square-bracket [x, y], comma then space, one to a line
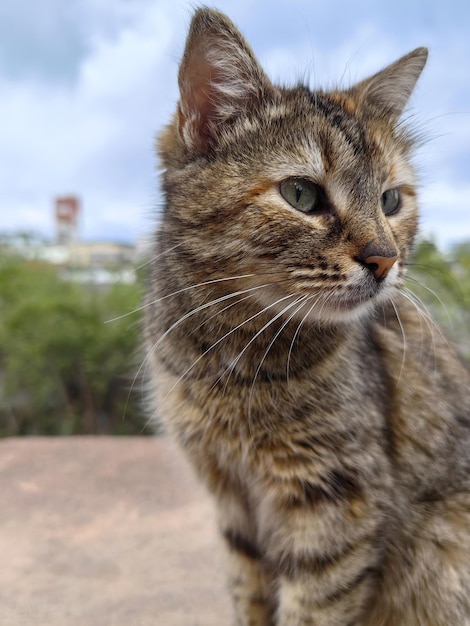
[342, 309]
[343, 312]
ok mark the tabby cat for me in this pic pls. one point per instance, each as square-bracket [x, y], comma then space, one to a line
[323, 409]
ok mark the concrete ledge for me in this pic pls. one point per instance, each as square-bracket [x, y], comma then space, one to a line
[106, 532]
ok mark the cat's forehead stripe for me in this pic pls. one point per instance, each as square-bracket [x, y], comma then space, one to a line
[345, 101]
[348, 125]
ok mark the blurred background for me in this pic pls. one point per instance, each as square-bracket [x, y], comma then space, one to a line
[85, 85]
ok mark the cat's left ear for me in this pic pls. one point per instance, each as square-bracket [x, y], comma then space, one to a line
[387, 92]
[219, 80]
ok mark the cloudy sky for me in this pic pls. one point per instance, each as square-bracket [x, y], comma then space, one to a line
[85, 84]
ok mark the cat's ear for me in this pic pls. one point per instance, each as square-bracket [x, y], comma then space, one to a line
[219, 79]
[387, 92]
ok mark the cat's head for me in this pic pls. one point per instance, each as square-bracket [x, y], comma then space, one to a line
[310, 193]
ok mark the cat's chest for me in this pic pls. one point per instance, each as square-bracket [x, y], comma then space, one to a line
[244, 422]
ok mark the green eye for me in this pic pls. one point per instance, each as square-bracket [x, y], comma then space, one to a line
[301, 194]
[390, 201]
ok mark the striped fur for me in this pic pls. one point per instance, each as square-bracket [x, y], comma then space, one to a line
[325, 412]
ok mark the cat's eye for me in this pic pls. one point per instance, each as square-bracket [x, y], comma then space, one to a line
[301, 194]
[390, 201]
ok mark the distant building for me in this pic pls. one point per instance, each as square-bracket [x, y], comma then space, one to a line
[94, 254]
[99, 262]
[67, 212]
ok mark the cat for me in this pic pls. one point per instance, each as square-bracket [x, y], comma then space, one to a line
[325, 412]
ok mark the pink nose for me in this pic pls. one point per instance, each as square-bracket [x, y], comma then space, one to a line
[379, 265]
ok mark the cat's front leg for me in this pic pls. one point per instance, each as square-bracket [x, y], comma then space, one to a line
[249, 579]
[249, 585]
[324, 547]
[302, 602]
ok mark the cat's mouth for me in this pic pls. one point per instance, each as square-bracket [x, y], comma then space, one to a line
[350, 302]
[355, 300]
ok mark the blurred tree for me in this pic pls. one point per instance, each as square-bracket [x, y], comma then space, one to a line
[67, 368]
[63, 369]
[442, 283]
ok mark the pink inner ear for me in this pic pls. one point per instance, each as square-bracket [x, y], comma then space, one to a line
[197, 91]
[199, 99]
[219, 78]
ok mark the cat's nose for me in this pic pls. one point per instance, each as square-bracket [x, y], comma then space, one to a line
[379, 259]
[380, 265]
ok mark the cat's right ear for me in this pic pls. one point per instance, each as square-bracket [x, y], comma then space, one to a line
[219, 79]
[386, 94]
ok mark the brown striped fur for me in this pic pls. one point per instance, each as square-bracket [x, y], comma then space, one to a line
[325, 412]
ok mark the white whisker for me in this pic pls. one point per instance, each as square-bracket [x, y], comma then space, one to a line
[302, 300]
[252, 317]
[404, 342]
[432, 292]
[297, 331]
[158, 256]
[423, 315]
[180, 321]
[225, 308]
[175, 293]
[419, 304]
[232, 365]
[431, 323]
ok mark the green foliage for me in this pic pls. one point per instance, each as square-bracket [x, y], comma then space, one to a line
[65, 368]
[442, 283]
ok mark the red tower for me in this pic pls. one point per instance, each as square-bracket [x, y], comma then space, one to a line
[67, 210]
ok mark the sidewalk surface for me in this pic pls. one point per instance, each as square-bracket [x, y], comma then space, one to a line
[106, 532]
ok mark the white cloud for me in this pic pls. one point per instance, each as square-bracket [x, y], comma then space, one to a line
[445, 210]
[340, 65]
[85, 138]
[94, 135]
